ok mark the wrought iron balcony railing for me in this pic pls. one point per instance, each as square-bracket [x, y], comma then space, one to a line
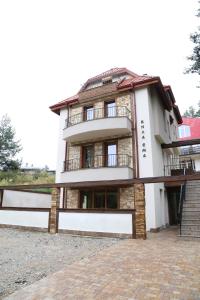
[190, 150]
[98, 161]
[98, 113]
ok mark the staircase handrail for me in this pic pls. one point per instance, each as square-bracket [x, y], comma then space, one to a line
[181, 200]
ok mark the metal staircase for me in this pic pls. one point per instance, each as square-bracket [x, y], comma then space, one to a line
[190, 212]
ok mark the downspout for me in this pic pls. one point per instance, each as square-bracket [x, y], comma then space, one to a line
[134, 136]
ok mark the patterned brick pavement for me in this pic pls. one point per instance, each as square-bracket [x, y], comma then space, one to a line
[162, 267]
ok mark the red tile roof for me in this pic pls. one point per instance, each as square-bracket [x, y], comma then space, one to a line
[56, 107]
[194, 124]
[113, 71]
[135, 81]
[110, 72]
[165, 92]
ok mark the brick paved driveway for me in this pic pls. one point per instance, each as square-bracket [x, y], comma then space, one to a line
[162, 267]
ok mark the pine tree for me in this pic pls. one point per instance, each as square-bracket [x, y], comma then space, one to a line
[195, 57]
[8, 146]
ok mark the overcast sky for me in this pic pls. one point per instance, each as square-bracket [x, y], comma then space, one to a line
[49, 48]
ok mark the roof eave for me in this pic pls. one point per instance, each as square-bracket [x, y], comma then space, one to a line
[57, 107]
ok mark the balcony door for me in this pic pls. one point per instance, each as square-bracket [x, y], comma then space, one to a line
[88, 156]
[111, 154]
[110, 109]
[88, 113]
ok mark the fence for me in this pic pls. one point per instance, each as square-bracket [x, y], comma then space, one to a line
[118, 222]
[15, 198]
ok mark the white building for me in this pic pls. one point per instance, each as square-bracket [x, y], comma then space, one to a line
[112, 130]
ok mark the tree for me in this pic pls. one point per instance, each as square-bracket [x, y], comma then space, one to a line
[195, 57]
[192, 112]
[8, 146]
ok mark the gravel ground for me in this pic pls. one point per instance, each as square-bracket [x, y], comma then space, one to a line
[26, 256]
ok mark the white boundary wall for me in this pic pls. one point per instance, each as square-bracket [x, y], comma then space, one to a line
[96, 222]
[36, 219]
[26, 199]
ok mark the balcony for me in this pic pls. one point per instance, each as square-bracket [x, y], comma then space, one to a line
[101, 167]
[189, 150]
[179, 166]
[98, 123]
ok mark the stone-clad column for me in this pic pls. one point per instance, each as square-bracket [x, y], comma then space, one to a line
[140, 222]
[53, 218]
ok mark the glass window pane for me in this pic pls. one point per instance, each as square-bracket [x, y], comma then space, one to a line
[184, 131]
[99, 199]
[111, 109]
[112, 199]
[88, 158]
[86, 200]
[90, 113]
[112, 155]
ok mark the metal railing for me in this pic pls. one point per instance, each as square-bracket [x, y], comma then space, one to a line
[181, 200]
[98, 113]
[177, 167]
[98, 161]
[190, 150]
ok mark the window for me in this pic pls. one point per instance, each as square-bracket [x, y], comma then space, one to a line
[171, 120]
[107, 80]
[110, 109]
[88, 113]
[112, 199]
[184, 131]
[86, 199]
[88, 156]
[111, 154]
[101, 199]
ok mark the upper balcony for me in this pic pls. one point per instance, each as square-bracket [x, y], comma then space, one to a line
[98, 123]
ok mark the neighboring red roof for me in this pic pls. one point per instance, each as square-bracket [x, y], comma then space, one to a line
[194, 124]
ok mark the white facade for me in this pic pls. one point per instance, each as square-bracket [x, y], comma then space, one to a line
[61, 145]
[155, 125]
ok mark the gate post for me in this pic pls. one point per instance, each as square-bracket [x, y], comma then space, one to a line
[140, 222]
[53, 214]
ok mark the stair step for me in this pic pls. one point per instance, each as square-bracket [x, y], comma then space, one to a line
[192, 195]
[192, 205]
[190, 236]
[191, 227]
[193, 182]
[191, 231]
[192, 201]
[191, 209]
[193, 190]
[192, 213]
[186, 221]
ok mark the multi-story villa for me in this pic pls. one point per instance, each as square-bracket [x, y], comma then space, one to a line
[112, 131]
